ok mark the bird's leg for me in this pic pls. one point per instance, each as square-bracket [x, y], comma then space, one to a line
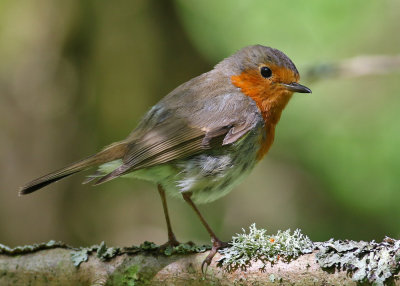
[171, 236]
[216, 242]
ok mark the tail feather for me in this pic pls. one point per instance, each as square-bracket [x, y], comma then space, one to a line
[92, 177]
[113, 152]
[114, 174]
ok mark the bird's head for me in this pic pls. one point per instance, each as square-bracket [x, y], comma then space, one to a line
[265, 74]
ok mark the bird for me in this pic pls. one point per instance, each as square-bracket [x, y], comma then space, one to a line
[200, 140]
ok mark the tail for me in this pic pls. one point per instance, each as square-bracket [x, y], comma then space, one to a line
[110, 153]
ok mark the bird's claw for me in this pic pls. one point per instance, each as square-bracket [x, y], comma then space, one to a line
[205, 263]
[217, 245]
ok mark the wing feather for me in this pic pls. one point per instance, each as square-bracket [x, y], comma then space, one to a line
[184, 124]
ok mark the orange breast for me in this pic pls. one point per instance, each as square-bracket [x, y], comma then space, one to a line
[265, 143]
[270, 99]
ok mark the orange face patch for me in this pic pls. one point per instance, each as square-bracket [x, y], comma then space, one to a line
[261, 89]
[270, 97]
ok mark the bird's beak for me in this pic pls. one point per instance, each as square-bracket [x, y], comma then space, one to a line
[296, 87]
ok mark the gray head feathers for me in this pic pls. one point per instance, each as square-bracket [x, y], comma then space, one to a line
[252, 57]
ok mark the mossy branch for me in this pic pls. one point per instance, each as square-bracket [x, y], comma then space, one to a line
[255, 258]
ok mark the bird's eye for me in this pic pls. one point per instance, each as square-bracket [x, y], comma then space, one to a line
[266, 72]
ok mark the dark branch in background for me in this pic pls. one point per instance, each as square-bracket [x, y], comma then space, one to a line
[353, 67]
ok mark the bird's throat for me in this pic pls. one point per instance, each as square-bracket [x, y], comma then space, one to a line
[270, 100]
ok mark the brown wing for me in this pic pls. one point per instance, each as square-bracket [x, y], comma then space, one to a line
[182, 125]
[171, 140]
[166, 143]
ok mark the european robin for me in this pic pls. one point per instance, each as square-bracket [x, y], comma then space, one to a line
[201, 139]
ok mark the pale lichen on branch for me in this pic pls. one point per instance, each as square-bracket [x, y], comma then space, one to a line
[257, 245]
[285, 257]
[370, 262]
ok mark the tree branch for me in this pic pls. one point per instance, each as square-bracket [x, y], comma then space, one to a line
[253, 259]
[55, 267]
[353, 67]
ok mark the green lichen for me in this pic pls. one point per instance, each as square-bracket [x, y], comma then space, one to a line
[129, 277]
[102, 251]
[80, 256]
[105, 253]
[257, 245]
[32, 248]
[185, 248]
[371, 262]
[148, 245]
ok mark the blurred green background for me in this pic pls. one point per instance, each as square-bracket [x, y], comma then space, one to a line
[78, 75]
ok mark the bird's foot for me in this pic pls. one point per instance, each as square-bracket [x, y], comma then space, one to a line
[172, 242]
[217, 245]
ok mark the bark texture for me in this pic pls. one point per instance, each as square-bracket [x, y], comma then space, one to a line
[57, 264]
[55, 267]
